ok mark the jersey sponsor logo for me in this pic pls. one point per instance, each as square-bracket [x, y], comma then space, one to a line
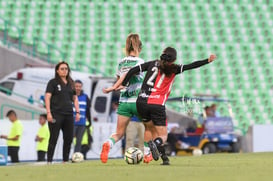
[130, 94]
[152, 89]
[129, 61]
[125, 69]
[132, 90]
[144, 95]
[125, 65]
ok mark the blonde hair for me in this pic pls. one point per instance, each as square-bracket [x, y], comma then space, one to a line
[133, 43]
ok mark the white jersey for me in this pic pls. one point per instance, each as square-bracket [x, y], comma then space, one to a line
[130, 94]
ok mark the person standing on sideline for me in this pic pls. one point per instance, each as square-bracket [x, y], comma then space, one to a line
[59, 99]
[84, 105]
[156, 88]
[128, 96]
[42, 138]
[14, 137]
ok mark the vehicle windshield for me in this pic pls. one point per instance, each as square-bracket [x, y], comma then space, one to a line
[218, 125]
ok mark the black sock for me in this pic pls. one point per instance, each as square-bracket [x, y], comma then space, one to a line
[160, 146]
[161, 149]
[158, 141]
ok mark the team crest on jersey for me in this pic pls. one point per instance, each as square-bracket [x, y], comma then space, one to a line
[59, 87]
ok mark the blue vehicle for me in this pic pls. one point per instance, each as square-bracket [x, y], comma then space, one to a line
[215, 135]
[220, 134]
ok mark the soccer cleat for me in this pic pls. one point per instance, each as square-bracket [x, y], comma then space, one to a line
[154, 150]
[147, 158]
[165, 159]
[104, 152]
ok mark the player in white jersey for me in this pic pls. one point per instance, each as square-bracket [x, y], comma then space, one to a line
[128, 96]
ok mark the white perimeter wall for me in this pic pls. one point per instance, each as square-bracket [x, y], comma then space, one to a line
[262, 138]
[101, 131]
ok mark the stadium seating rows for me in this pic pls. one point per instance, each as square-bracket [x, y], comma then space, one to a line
[94, 32]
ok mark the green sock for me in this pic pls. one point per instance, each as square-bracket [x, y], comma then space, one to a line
[146, 144]
[112, 142]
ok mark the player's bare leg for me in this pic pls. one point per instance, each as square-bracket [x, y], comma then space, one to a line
[150, 149]
[120, 130]
[147, 153]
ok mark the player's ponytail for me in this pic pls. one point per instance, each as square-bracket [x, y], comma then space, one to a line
[166, 61]
[133, 43]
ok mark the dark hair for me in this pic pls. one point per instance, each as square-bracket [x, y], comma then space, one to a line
[168, 54]
[133, 43]
[78, 81]
[43, 115]
[10, 112]
[68, 77]
[167, 57]
[207, 107]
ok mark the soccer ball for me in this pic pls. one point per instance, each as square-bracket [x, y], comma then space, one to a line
[133, 155]
[197, 152]
[77, 157]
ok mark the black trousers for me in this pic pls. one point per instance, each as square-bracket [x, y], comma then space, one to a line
[13, 153]
[41, 156]
[84, 150]
[172, 140]
[66, 124]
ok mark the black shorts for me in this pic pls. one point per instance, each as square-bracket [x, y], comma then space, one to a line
[153, 112]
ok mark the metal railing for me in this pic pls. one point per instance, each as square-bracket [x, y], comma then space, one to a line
[28, 99]
[47, 53]
[7, 26]
[12, 106]
[32, 112]
[39, 47]
[16, 41]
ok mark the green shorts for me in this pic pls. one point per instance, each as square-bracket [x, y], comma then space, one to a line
[127, 109]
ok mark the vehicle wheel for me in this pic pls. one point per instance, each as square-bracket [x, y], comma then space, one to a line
[235, 147]
[209, 148]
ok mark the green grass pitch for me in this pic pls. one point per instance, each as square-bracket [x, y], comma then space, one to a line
[216, 167]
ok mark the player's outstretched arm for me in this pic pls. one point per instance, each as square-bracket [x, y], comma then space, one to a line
[199, 63]
[115, 86]
[129, 74]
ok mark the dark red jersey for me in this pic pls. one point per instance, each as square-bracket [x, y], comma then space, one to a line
[156, 86]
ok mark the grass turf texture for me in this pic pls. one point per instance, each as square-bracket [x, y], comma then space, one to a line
[254, 166]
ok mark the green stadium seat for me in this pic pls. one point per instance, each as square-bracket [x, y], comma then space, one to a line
[28, 38]
[94, 33]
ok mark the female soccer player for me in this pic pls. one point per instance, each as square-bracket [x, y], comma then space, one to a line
[154, 92]
[128, 96]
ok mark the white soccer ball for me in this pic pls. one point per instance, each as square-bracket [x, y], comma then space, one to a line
[77, 157]
[133, 155]
[197, 152]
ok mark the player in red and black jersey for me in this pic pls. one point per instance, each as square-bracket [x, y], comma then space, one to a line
[155, 90]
